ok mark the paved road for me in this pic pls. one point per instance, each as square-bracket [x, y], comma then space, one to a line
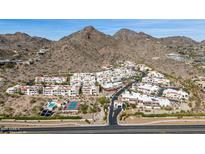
[151, 129]
[113, 113]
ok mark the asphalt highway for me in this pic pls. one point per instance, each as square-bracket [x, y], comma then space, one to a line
[117, 129]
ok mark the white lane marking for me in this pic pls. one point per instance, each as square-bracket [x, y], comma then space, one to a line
[43, 124]
[164, 121]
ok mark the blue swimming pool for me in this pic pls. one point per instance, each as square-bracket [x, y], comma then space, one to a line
[51, 105]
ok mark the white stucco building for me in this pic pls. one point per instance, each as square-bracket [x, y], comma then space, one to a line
[179, 95]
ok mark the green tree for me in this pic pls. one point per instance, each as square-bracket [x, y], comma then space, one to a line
[30, 82]
[94, 108]
[103, 101]
[80, 91]
[83, 108]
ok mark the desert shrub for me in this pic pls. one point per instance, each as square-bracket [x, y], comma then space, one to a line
[87, 121]
[32, 101]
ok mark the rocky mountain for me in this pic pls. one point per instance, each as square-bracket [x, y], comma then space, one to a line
[83, 51]
[89, 49]
[178, 41]
[202, 42]
[20, 45]
[132, 36]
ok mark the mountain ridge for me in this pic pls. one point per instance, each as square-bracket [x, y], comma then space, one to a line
[88, 49]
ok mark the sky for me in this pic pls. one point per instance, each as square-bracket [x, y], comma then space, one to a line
[54, 29]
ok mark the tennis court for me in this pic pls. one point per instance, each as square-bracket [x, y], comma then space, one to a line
[73, 105]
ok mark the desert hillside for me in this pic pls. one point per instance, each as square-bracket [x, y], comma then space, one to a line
[89, 49]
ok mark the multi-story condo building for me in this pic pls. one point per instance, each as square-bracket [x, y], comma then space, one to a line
[26, 90]
[143, 68]
[144, 99]
[50, 80]
[109, 86]
[61, 90]
[13, 90]
[146, 88]
[155, 74]
[90, 90]
[30, 90]
[157, 81]
[179, 95]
